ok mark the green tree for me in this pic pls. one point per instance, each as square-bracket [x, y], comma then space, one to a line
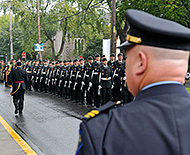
[94, 47]
[176, 10]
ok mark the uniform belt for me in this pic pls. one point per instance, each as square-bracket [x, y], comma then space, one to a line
[43, 72]
[73, 75]
[106, 78]
[96, 73]
[79, 76]
[87, 75]
[116, 74]
[29, 71]
[18, 81]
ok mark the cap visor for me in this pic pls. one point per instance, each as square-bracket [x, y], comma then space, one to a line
[125, 45]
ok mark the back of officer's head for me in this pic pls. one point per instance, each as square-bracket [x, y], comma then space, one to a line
[154, 53]
[18, 64]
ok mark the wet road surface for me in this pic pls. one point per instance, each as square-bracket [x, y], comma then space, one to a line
[49, 124]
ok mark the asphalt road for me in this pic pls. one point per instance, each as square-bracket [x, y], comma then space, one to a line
[49, 124]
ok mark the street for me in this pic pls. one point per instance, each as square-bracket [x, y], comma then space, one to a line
[49, 124]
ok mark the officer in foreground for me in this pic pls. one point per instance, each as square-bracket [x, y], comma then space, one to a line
[17, 80]
[157, 122]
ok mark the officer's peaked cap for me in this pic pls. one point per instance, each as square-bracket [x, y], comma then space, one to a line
[97, 55]
[146, 29]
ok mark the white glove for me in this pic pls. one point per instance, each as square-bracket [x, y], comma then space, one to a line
[65, 82]
[90, 84]
[83, 83]
[99, 87]
[11, 89]
[112, 87]
[70, 82]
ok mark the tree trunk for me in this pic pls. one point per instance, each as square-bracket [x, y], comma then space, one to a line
[63, 40]
[52, 42]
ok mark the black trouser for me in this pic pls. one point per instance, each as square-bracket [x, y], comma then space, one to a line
[36, 79]
[29, 82]
[117, 92]
[18, 99]
[106, 95]
[80, 92]
[96, 96]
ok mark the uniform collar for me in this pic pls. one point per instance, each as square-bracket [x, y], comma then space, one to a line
[162, 90]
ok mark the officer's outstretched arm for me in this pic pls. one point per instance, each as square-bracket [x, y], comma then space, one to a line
[85, 144]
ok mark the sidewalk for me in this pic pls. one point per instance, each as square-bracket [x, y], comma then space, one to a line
[11, 143]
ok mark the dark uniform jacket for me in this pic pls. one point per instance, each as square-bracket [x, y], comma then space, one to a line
[18, 74]
[106, 77]
[156, 123]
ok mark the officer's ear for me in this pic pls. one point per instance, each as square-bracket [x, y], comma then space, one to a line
[142, 60]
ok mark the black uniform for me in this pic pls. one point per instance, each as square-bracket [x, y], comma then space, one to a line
[18, 78]
[35, 77]
[117, 79]
[96, 81]
[88, 80]
[80, 87]
[29, 72]
[155, 123]
[106, 83]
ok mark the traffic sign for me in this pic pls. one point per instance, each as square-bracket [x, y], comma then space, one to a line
[23, 54]
[39, 47]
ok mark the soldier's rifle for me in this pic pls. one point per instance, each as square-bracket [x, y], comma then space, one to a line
[83, 81]
[113, 77]
[76, 79]
[90, 83]
[70, 79]
[99, 87]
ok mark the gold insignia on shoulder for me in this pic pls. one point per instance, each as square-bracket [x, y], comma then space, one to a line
[91, 114]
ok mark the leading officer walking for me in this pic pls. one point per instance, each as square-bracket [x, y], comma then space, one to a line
[157, 122]
[18, 79]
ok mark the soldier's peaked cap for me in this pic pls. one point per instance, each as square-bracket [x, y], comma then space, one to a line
[146, 29]
[75, 60]
[90, 58]
[97, 55]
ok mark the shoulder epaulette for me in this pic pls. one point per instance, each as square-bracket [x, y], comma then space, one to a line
[102, 109]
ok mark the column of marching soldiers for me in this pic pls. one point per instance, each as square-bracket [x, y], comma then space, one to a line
[92, 83]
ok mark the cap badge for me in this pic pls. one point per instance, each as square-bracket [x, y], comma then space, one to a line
[133, 39]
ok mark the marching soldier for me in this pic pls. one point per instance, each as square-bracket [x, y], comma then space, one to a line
[111, 61]
[106, 82]
[8, 68]
[43, 85]
[73, 78]
[18, 79]
[50, 77]
[96, 80]
[29, 72]
[35, 75]
[88, 81]
[1, 71]
[81, 85]
[117, 77]
[60, 79]
[40, 76]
